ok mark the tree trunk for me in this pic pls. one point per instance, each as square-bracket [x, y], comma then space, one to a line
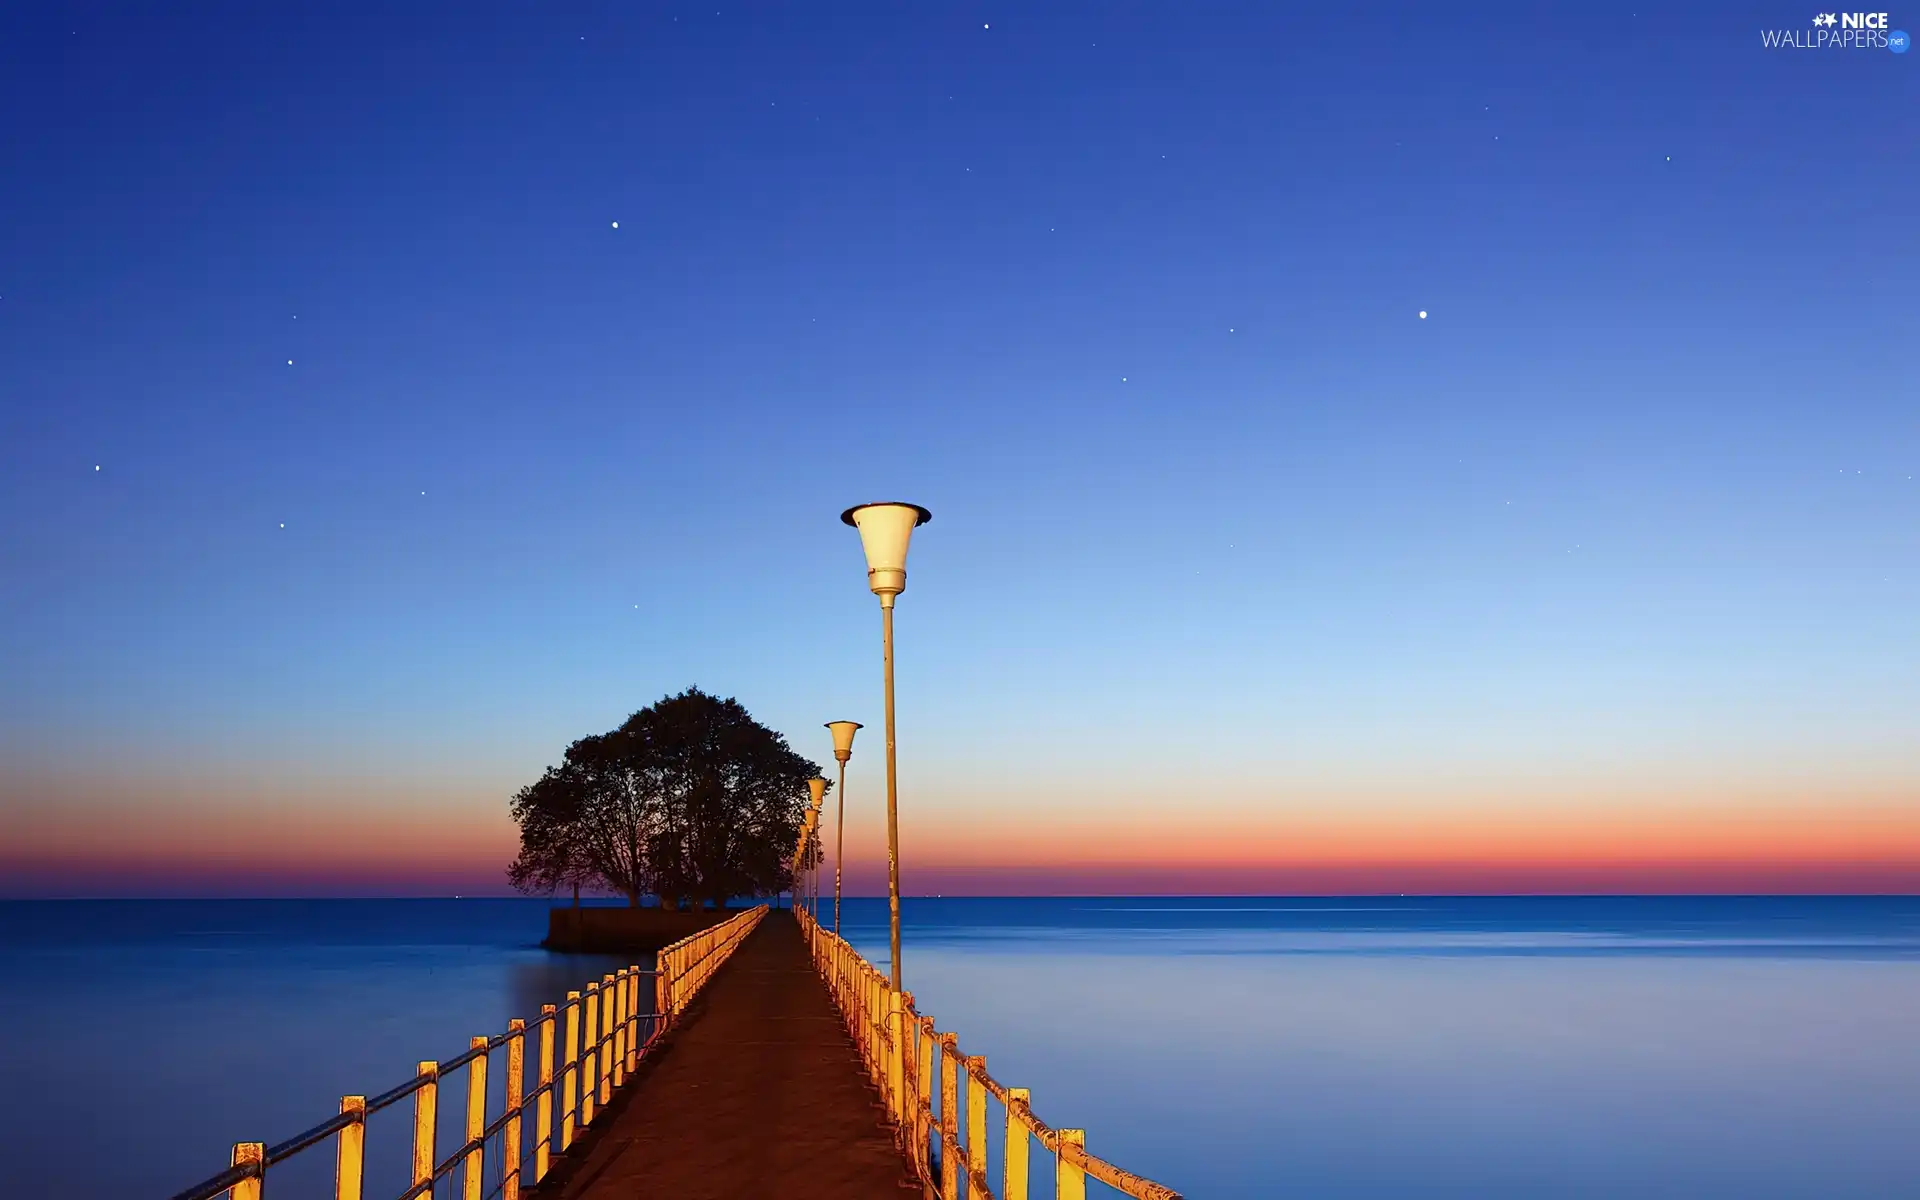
[576, 895]
[633, 898]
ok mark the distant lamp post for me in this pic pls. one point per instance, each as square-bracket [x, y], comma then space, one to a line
[807, 822]
[842, 751]
[885, 530]
[817, 787]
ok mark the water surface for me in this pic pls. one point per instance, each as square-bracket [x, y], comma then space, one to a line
[1761, 1047]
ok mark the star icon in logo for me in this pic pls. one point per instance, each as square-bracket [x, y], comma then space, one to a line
[1826, 19]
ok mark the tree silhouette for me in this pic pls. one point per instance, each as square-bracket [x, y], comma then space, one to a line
[552, 854]
[690, 798]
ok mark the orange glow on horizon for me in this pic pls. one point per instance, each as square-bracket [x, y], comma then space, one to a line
[456, 834]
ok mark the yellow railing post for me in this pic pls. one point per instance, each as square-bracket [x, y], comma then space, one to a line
[470, 1171]
[543, 1108]
[1015, 1185]
[622, 988]
[608, 988]
[896, 1060]
[510, 1155]
[909, 1054]
[569, 1074]
[632, 1018]
[589, 1074]
[249, 1152]
[662, 995]
[350, 1150]
[1069, 1181]
[629, 993]
[976, 1126]
[923, 1103]
[950, 1116]
[634, 1040]
[426, 1116]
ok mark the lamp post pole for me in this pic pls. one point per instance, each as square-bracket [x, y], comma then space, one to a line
[884, 532]
[893, 800]
[842, 751]
[817, 790]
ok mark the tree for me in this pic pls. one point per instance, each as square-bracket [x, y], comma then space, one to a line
[690, 797]
[551, 854]
[619, 814]
[732, 791]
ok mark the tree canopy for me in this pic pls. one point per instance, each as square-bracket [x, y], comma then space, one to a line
[690, 798]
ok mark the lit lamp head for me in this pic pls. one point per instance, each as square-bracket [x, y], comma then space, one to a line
[842, 738]
[884, 532]
[818, 787]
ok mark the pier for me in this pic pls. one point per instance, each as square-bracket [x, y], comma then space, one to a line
[767, 1057]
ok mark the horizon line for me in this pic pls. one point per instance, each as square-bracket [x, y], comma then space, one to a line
[606, 901]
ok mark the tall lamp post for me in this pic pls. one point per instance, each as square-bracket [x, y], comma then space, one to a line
[885, 530]
[842, 751]
[817, 788]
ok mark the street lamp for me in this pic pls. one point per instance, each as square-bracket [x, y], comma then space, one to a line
[842, 751]
[817, 788]
[884, 532]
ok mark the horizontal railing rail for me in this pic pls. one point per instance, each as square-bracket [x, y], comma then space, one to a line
[947, 1147]
[603, 1035]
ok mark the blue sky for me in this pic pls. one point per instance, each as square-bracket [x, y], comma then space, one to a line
[1127, 295]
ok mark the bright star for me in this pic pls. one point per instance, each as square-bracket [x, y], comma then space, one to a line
[616, 224]
[1423, 314]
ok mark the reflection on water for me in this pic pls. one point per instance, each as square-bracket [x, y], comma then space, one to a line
[1512, 1047]
[163, 1032]
[1371, 1047]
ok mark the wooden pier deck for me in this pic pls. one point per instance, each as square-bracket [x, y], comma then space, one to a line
[758, 1092]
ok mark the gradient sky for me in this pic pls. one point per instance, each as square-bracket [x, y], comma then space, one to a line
[1242, 576]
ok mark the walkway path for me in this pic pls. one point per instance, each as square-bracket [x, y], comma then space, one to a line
[759, 1092]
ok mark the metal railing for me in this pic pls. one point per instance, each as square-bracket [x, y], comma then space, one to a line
[603, 1034]
[906, 1055]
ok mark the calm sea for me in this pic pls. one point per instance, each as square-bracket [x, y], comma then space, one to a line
[1736, 1047]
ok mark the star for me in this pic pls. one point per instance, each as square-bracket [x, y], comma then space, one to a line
[616, 224]
[1423, 314]
[283, 524]
[289, 362]
[96, 466]
[986, 27]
